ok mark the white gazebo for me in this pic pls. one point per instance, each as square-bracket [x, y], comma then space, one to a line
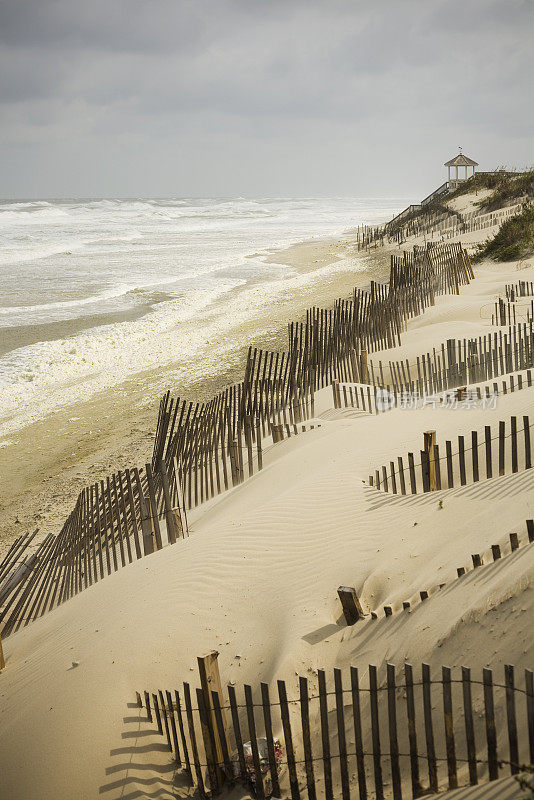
[461, 161]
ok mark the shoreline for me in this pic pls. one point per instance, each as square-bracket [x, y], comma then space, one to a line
[48, 461]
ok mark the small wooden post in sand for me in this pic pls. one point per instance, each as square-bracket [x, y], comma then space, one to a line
[429, 442]
[210, 681]
[460, 392]
[351, 605]
[2, 662]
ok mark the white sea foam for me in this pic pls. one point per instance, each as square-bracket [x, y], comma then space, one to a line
[184, 265]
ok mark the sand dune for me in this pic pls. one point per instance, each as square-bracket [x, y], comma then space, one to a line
[257, 581]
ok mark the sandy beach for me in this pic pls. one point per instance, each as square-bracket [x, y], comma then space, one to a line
[256, 579]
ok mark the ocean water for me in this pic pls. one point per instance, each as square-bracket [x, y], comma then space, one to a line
[94, 292]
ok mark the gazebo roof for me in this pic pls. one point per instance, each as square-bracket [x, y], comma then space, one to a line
[461, 161]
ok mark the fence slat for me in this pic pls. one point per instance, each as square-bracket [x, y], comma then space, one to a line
[221, 730]
[526, 436]
[412, 730]
[193, 740]
[393, 739]
[210, 748]
[306, 737]
[529, 694]
[491, 733]
[325, 736]
[501, 448]
[342, 743]
[469, 726]
[273, 769]
[165, 719]
[449, 728]
[429, 730]
[258, 782]
[511, 718]
[358, 739]
[375, 732]
[288, 738]
[238, 738]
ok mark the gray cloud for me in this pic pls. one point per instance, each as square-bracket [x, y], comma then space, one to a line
[247, 97]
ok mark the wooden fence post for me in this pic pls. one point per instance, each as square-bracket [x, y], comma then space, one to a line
[429, 443]
[210, 681]
[351, 605]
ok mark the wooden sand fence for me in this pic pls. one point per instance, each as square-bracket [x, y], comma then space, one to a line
[114, 522]
[217, 442]
[459, 362]
[381, 399]
[202, 449]
[506, 310]
[492, 556]
[373, 733]
[499, 451]
[442, 222]
[519, 289]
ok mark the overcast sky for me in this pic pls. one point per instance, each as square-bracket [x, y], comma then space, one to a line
[259, 97]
